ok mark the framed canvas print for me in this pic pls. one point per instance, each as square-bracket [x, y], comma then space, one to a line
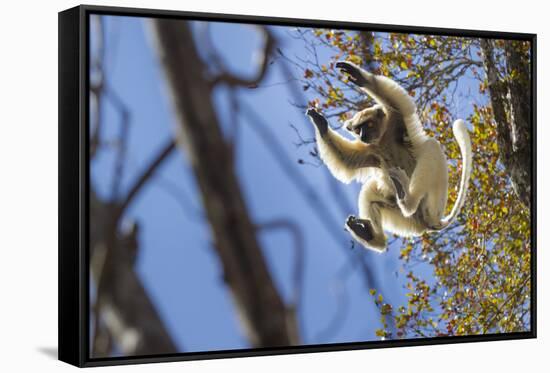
[238, 186]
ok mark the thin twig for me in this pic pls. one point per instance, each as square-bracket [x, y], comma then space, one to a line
[157, 160]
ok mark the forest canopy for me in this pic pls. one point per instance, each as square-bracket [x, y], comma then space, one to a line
[482, 263]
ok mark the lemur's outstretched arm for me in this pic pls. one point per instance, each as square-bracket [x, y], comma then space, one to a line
[385, 92]
[342, 157]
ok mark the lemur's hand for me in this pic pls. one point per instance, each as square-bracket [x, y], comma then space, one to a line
[353, 71]
[318, 120]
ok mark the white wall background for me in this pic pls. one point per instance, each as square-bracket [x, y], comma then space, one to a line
[28, 192]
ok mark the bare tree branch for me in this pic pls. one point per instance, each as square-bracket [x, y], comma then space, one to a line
[136, 187]
[299, 249]
[96, 84]
[124, 127]
[233, 80]
[123, 305]
[299, 263]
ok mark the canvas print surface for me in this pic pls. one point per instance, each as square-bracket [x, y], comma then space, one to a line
[263, 186]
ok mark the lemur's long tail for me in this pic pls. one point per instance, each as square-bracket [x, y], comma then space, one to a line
[463, 138]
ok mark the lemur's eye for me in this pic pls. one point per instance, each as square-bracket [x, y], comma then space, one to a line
[370, 124]
[357, 131]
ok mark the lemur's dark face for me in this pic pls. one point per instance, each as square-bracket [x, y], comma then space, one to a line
[368, 125]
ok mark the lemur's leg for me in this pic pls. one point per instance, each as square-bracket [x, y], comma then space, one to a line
[427, 182]
[400, 182]
[409, 195]
[367, 229]
[342, 157]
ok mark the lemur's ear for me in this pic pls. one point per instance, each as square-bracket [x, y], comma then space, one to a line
[380, 113]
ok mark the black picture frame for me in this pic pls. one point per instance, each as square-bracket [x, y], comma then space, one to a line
[74, 178]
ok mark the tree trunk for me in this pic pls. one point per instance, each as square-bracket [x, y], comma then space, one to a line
[511, 103]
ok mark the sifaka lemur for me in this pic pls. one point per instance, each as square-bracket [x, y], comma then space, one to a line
[403, 170]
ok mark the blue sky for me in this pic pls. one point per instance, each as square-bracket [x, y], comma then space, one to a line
[176, 262]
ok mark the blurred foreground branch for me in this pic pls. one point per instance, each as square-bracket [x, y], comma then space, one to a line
[260, 306]
[225, 76]
[123, 314]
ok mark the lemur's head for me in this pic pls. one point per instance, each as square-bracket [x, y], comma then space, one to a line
[368, 125]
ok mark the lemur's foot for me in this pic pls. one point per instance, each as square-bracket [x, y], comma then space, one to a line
[400, 182]
[360, 227]
[353, 71]
[318, 120]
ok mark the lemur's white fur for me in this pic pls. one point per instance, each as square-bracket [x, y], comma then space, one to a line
[425, 186]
